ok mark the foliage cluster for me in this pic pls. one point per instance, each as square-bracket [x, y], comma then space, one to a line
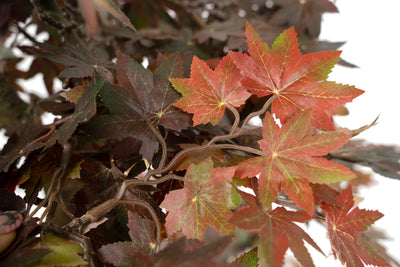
[153, 157]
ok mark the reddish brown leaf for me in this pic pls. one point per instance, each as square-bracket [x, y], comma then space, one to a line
[123, 254]
[207, 92]
[345, 225]
[293, 158]
[204, 200]
[181, 253]
[141, 231]
[298, 82]
[277, 232]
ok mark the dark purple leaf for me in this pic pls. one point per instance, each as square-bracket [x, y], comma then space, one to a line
[141, 231]
[85, 109]
[383, 159]
[143, 97]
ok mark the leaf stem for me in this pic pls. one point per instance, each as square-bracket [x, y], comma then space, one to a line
[162, 142]
[50, 20]
[233, 129]
[97, 212]
[182, 153]
[266, 105]
[234, 134]
[165, 178]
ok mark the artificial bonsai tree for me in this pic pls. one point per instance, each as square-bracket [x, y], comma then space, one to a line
[153, 157]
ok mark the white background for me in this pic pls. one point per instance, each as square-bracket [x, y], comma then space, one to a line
[371, 31]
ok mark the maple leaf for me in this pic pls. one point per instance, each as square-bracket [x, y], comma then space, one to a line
[99, 184]
[181, 253]
[293, 159]
[298, 82]
[221, 31]
[305, 14]
[85, 109]
[277, 232]
[143, 96]
[383, 159]
[248, 259]
[64, 252]
[204, 200]
[80, 58]
[21, 143]
[141, 231]
[207, 92]
[345, 226]
[88, 11]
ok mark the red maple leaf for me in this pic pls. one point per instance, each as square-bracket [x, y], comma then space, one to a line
[298, 82]
[345, 226]
[204, 200]
[277, 232]
[293, 158]
[207, 92]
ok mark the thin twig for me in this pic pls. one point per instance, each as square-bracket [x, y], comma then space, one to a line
[233, 129]
[162, 142]
[183, 153]
[97, 212]
[27, 35]
[55, 185]
[43, 16]
[234, 134]
[266, 105]
[237, 117]
[45, 200]
[163, 179]
[60, 201]
[46, 135]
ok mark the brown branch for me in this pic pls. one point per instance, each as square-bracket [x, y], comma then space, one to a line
[97, 212]
[234, 134]
[233, 129]
[24, 33]
[183, 153]
[64, 208]
[162, 143]
[47, 197]
[55, 185]
[266, 105]
[50, 20]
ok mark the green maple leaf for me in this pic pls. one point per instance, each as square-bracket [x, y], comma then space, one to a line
[64, 252]
[204, 200]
